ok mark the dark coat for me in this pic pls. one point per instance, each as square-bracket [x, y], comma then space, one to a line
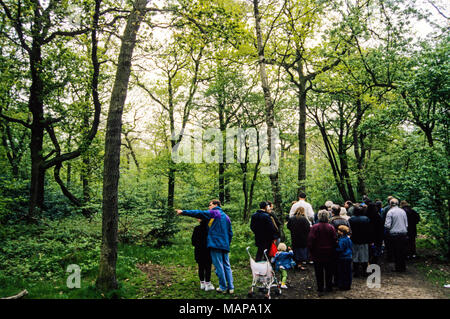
[337, 221]
[299, 228]
[322, 242]
[262, 226]
[360, 229]
[277, 224]
[413, 220]
[199, 241]
[376, 229]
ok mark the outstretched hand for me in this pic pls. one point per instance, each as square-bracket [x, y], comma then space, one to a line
[179, 211]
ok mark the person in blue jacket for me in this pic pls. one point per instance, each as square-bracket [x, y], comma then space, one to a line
[344, 261]
[218, 241]
[283, 260]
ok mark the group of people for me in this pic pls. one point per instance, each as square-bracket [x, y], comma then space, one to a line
[340, 241]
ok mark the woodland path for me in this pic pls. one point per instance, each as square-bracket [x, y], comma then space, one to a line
[409, 285]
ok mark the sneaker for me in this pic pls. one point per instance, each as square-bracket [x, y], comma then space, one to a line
[220, 290]
[231, 291]
[283, 285]
[209, 286]
[311, 262]
[202, 285]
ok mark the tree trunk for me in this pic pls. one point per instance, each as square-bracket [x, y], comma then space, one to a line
[429, 135]
[86, 169]
[244, 168]
[302, 139]
[277, 198]
[222, 182]
[171, 187]
[107, 268]
[359, 150]
[36, 107]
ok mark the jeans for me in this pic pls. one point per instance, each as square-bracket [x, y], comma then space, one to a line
[221, 262]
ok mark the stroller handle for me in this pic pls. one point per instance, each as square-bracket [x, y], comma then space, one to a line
[265, 253]
[248, 251]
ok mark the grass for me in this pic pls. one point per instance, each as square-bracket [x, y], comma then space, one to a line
[435, 268]
[36, 257]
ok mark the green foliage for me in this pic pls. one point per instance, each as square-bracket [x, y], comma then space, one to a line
[13, 198]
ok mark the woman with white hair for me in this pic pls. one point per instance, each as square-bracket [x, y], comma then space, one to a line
[343, 213]
[321, 245]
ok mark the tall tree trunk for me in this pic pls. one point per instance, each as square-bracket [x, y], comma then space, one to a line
[222, 165]
[359, 150]
[107, 268]
[244, 168]
[276, 192]
[222, 182]
[171, 187]
[86, 169]
[301, 137]
[36, 107]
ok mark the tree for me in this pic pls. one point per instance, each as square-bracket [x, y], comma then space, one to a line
[289, 45]
[107, 268]
[269, 115]
[37, 31]
[424, 87]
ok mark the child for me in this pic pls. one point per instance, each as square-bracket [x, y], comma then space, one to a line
[283, 260]
[344, 261]
[202, 254]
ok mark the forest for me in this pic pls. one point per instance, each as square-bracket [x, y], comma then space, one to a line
[116, 113]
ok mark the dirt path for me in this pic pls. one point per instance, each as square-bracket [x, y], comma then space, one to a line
[409, 285]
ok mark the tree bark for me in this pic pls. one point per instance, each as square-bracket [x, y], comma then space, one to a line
[36, 107]
[301, 136]
[107, 268]
[276, 192]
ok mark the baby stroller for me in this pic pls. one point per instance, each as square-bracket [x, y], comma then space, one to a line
[263, 276]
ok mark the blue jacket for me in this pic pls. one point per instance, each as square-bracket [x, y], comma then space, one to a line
[344, 248]
[220, 232]
[284, 259]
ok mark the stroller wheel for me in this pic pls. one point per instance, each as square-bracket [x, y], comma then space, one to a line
[278, 291]
[267, 296]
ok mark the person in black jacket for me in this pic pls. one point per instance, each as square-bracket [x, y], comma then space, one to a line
[202, 254]
[275, 220]
[264, 229]
[360, 226]
[376, 232]
[299, 226]
[413, 220]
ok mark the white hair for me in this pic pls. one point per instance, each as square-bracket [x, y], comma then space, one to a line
[323, 215]
[328, 203]
[393, 202]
